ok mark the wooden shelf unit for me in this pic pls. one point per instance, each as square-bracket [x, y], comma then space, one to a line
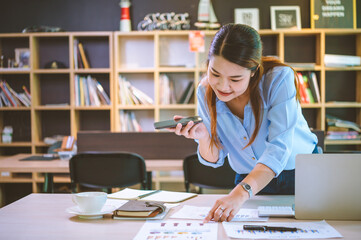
[142, 57]
[53, 110]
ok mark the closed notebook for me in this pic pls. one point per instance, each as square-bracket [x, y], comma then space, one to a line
[141, 209]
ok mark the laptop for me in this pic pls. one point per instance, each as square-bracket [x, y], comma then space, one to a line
[328, 186]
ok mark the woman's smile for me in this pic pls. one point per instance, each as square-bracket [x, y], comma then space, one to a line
[224, 94]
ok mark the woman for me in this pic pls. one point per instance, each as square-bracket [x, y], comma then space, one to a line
[251, 114]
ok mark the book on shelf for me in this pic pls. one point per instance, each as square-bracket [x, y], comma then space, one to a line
[302, 64]
[10, 98]
[339, 123]
[128, 122]
[313, 83]
[83, 56]
[303, 89]
[140, 209]
[187, 94]
[152, 195]
[89, 92]
[8, 94]
[130, 95]
[166, 90]
[308, 87]
[337, 60]
[75, 53]
[343, 135]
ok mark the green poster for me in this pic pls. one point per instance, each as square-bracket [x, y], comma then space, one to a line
[333, 13]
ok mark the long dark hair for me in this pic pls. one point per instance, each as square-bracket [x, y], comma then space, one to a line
[241, 44]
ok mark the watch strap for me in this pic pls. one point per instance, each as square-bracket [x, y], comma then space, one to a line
[247, 187]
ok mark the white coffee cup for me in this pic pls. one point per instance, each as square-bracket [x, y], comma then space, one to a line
[90, 202]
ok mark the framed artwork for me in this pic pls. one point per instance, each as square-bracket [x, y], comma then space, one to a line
[248, 16]
[22, 57]
[333, 14]
[285, 17]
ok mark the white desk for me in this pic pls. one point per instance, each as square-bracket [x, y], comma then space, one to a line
[43, 216]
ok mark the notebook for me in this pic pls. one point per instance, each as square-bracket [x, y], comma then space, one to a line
[152, 195]
[328, 186]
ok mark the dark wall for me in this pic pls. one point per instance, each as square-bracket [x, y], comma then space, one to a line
[103, 15]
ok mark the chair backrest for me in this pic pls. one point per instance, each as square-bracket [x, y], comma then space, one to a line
[107, 170]
[207, 177]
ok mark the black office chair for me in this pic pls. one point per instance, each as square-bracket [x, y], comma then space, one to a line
[48, 186]
[107, 170]
[207, 177]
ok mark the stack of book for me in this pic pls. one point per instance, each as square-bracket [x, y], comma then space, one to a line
[80, 59]
[128, 122]
[166, 90]
[308, 87]
[10, 98]
[168, 94]
[338, 129]
[89, 92]
[130, 95]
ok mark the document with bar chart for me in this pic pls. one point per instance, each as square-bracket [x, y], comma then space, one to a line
[306, 230]
[177, 230]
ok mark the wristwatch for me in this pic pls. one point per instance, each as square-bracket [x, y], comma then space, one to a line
[247, 187]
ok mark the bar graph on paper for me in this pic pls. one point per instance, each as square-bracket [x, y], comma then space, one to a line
[177, 230]
[308, 230]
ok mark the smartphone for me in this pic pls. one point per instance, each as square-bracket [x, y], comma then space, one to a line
[173, 123]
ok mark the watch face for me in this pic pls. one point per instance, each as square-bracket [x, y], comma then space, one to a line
[248, 187]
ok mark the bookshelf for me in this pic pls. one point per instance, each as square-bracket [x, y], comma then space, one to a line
[142, 57]
[53, 110]
[160, 53]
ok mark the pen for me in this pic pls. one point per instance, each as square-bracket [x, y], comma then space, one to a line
[268, 228]
[147, 194]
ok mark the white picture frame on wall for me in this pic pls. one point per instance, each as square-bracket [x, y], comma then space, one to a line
[22, 57]
[248, 16]
[285, 17]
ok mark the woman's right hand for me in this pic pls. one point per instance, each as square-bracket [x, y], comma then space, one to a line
[191, 130]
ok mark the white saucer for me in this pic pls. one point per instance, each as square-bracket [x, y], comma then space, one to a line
[105, 210]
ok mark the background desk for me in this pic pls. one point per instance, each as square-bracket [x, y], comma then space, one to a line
[15, 171]
[43, 216]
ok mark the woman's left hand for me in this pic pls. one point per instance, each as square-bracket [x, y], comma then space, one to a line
[226, 207]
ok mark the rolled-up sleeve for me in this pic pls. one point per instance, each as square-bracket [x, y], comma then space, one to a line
[203, 113]
[282, 117]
